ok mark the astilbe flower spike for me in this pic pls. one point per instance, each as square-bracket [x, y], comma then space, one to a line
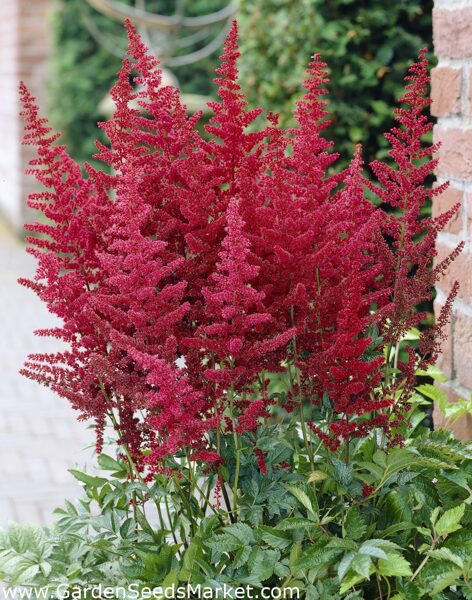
[68, 268]
[200, 266]
[408, 271]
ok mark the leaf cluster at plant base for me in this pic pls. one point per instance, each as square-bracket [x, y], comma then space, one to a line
[411, 538]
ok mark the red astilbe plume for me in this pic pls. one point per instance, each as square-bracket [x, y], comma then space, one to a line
[65, 248]
[229, 169]
[227, 166]
[150, 127]
[408, 270]
[319, 270]
[105, 267]
[342, 364]
[239, 334]
[138, 309]
[230, 120]
[311, 156]
[176, 412]
[290, 214]
[142, 303]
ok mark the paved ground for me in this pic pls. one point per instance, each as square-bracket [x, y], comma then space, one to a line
[39, 436]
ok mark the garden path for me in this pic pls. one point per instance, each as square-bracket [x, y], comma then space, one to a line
[39, 435]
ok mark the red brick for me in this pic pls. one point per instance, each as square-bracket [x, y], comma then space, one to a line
[462, 428]
[468, 200]
[452, 32]
[445, 202]
[455, 153]
[446, 83]
[462, 349]
[460, 270]
[444, 361]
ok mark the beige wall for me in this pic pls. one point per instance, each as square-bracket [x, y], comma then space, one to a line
[24, 51]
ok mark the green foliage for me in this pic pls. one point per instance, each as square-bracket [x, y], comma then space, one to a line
[387, 523]
[451, 411]
[409, 538]
[82, 70]
[366, 44]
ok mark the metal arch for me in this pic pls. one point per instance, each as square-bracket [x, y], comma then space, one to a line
[118, 11]
[187, 59]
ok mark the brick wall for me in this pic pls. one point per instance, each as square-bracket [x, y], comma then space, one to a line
[451, 93]
[23, 51]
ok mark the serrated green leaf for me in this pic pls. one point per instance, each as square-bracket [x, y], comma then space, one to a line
[394, 566]
[434, 514]
[295, 554]
[434, 463]
[26, 576]
[241, 556]
[395, 528]
[433, 372]
[224, 543]
[261, 563]
[171, 580]
[343, 543]
[350, 582]
[316, 557]
[446, 554]
[354, 526]
[345, 564]
[398, 459]
[384, 544]
[397, 506]
[89, 480]
[432, 392]
[315, 476]
[294, 523]
[438, 575]
[380, 459]
[242, 532]
[414, 333]
[110, 464]
[19, 537]
[303, 498]
[45, 567]
[450, 520]
[372, 550]
[362, 565]
[189, 558]
[376, 470]
[275, 538]
[342, 472]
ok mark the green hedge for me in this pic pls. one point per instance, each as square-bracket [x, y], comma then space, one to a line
[368, 45]
[82, 71]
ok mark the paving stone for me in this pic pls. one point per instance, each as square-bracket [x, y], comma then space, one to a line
[40, 438]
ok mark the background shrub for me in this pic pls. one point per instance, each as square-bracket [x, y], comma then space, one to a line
[366, 43]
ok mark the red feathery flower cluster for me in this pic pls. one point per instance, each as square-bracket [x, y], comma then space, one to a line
[198, 266]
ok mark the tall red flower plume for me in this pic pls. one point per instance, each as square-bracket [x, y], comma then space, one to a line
[199, 267]
[408, 271]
